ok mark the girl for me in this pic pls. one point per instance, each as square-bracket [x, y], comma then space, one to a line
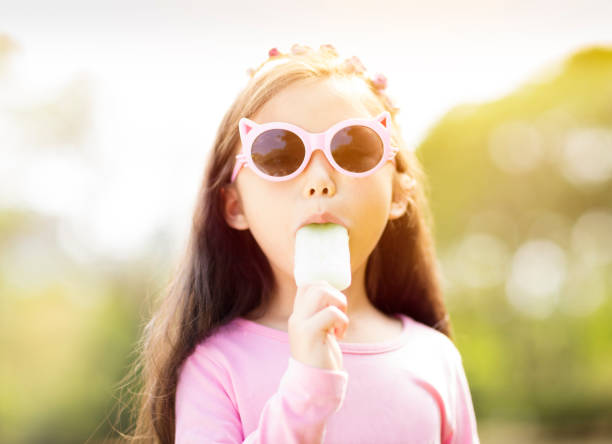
[236, 352]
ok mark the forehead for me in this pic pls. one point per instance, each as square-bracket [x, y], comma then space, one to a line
[315, 105]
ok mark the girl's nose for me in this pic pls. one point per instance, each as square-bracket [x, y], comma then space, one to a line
[319, 172]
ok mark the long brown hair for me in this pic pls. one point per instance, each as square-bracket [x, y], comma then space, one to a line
[212, 285]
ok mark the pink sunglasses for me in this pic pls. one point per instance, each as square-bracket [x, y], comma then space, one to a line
[280, 151]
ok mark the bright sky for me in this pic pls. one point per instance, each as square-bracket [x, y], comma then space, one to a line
[162, 73]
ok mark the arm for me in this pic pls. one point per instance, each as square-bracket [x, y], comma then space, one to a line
[296, 413]
[465, 430]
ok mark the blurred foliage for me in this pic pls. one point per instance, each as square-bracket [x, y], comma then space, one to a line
[7, 47]
[504, 182]
[66, 342]
[506, 174]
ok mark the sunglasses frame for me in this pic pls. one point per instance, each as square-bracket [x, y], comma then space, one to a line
[249, 130]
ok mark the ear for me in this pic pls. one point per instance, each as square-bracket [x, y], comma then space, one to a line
[232, 208]
[397, 209]
[402, 196]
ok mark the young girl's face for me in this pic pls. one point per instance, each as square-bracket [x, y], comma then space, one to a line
[274, 211]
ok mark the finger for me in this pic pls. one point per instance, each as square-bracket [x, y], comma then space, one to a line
[328, 319]
[313, 297]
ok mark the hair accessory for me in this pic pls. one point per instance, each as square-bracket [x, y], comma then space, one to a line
[379, 81]
[353, 64]
[350, 65]
[299, 49]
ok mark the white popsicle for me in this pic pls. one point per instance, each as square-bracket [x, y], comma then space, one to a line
[322, 253]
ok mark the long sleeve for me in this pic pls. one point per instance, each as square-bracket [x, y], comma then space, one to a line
[206, 410]
[462, 409]
[298, 412]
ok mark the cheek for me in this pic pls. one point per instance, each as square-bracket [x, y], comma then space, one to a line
[373, 200]
[269, 220]
[371, 215]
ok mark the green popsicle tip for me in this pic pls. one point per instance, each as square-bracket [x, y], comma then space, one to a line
[321, 227]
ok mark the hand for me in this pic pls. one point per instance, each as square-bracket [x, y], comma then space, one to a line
[318, 318]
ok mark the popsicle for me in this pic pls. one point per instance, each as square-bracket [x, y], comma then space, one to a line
[322, 253]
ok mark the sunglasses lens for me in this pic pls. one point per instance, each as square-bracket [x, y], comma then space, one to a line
[278, 152]
[357, 148]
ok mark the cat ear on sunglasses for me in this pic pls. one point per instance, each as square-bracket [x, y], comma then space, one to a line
[383, 118]
[245, 125]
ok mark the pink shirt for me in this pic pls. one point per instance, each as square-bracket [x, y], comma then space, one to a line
[243, 385]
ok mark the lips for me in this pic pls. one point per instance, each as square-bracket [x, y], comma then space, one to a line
[322, 218]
